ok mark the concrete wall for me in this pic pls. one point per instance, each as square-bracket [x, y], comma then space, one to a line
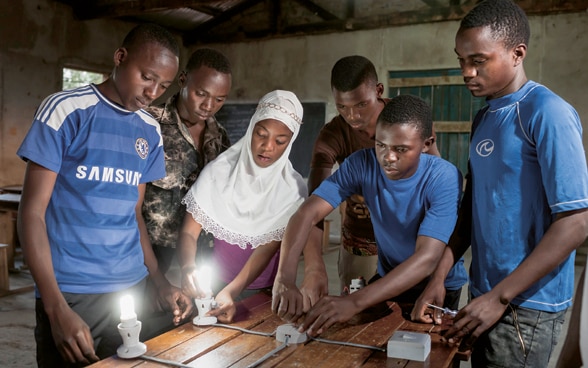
[39, 37]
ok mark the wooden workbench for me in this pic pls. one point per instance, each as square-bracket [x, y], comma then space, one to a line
[213, 346]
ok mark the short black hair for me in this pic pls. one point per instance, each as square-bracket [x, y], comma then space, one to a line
[408, 109]
[211, 58]
[151, 33]
[351, 71]
[507, 21]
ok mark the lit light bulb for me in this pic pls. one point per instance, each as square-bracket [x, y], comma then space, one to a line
[128, 317]
[204, 279]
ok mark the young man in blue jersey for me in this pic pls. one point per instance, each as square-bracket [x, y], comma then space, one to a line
[89, 153]
[412, 198]
[526, 197]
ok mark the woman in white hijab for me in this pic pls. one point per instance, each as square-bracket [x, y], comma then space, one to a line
[245, 198]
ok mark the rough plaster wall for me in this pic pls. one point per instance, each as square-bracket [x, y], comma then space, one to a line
[557, 52]
[37, 39]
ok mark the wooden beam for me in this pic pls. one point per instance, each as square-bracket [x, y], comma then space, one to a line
[86, 10]
[316, 9]
[199, 32]
[207, 9]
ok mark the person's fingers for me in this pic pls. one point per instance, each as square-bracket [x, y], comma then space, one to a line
[79, 349]
[295, 309]
[306, 302]
[438, 316]
[281, 307]
[419, 314]
[275, 303]
[461, 332]
[221, 309]
[320, 324]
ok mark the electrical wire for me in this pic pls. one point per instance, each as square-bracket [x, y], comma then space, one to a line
[270, 354]
[244, 330]
[345, 343]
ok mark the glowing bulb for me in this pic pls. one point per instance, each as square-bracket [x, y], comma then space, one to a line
[204, 278]
[127, 310]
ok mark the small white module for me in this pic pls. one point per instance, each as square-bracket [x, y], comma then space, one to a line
[409, 345]
[290, 333]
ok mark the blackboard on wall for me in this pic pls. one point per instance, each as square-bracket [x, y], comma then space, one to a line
[235, 118]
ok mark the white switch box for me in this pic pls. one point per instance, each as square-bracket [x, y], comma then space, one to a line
[290, 332]
[409, 345]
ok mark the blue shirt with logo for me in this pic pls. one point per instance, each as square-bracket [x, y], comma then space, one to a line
[527, 164]
[101, 153]
[424, 204]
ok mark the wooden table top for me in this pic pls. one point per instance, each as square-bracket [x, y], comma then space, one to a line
[212, 346]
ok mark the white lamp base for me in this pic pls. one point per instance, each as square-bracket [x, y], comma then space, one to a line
[204, 321]
[128, 352]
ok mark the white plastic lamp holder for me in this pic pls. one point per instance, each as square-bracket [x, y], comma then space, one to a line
[206, 304]
[129, 329]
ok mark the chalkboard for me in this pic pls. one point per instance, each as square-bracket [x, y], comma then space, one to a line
[235, 118]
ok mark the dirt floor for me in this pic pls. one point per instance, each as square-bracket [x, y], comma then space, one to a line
[17, 322]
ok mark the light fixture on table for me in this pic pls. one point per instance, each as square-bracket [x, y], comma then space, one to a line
[204, 278]
[129, 329]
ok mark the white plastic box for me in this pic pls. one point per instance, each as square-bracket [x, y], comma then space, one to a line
[409, 345]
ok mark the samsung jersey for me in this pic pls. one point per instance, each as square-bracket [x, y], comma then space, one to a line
[101, 153]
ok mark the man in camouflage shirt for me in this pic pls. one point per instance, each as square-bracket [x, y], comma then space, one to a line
[191, 138]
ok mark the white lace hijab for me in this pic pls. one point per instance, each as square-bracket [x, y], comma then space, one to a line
[242, 203]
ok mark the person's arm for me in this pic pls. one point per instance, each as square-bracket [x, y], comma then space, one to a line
[180, 305]
[186, 250]
[570, 356]
[459, 242]
[71, 334]
[287, 300]
[568, 231]
[316, 177]
[254, 267]
[334, 309]
[315, 284]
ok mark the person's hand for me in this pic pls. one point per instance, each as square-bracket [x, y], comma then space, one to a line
[314, 286]
[328, 311]
[226, 310]
[434, 294]
[475, 318]
[287, 301]
[72, 337]
[189, 283]
[177, 302]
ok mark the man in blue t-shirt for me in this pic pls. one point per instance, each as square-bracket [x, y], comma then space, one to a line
[413, 200]
[90, 152]
[526, 197]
